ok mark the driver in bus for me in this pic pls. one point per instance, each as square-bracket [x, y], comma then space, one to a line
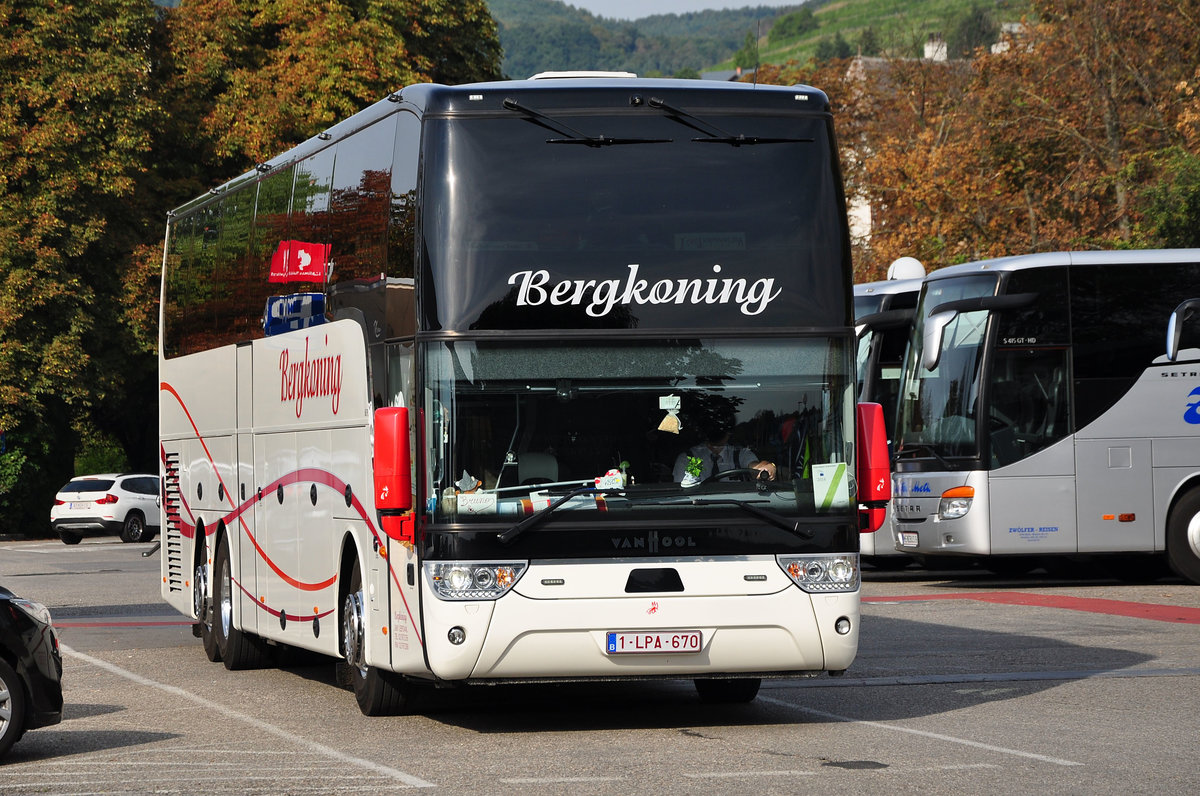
[718, 455]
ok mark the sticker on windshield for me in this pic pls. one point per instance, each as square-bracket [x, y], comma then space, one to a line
[829, 485]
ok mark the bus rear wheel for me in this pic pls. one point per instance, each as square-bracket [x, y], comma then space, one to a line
[377, 692]
[202, 603]
[238, 650]
[1183, 536]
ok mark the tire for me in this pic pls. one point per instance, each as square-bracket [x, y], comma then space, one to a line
[202, 602]
[12, 707]
[1183, 536]
[725, 692]
[134, 529]
[238, 650]
[378, 693]
[68, 537]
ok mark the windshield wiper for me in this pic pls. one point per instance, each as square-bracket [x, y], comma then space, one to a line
[543, 514]
[778, 520]
[574, 136]
[714, 134]
[915, 446]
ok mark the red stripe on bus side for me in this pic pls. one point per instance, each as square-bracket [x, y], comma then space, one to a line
[1159, 613]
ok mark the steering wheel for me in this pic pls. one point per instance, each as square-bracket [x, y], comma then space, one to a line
[997, 420]
[746, 473]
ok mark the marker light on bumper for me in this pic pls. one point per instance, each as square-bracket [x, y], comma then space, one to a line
[473, 580]
[825, 572]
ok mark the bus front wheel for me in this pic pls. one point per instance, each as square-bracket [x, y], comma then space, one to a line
[1183, 536]
[377, 692]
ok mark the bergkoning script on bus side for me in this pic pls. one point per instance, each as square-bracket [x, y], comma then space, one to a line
[601, 295]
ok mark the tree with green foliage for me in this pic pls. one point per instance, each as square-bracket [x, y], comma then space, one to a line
[75, 122]
[793, 26]
[972, 28]
[747, 56]
[831, 48]
[869, 43]
[113, 112]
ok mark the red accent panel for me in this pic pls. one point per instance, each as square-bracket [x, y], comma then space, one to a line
[393, 460]
[873, 466]
[399, 527]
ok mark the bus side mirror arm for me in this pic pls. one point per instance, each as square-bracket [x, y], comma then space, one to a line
[1181, 315]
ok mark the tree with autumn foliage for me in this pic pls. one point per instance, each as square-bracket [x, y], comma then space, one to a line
[75, 121]
[111, 113]
[1081, 134]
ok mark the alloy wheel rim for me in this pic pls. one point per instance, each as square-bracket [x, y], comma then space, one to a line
[226, 599]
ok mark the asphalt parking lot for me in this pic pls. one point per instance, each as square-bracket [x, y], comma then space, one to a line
[965, 682]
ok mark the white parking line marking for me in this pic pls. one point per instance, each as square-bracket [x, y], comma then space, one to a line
[735, 774]
[554, 780]
[925, 734]
[321, 749]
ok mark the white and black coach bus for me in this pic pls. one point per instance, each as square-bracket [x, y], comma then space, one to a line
[524, 381]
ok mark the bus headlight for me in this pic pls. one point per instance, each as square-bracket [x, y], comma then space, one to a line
[955, 502]
[473, 580]
[822, 572]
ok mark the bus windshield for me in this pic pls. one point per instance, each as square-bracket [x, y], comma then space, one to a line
[665, 228]
[514, 424]
[938, 407]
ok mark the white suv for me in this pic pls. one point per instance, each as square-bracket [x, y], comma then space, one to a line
[125, 504]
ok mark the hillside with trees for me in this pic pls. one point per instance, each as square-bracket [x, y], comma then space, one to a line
[540, 35]
[546, 35]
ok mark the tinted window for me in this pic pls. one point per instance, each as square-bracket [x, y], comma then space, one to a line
[1120, 323]
[90, 485]
[526, 228]
[1043, 322]
[141, 485]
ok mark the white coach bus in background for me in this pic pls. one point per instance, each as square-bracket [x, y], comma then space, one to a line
[1040, 417]
[883, 318]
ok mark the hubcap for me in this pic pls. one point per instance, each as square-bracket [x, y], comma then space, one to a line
[226, 599]
[352, 631]
[200, 595]
[5, 708]
[1193, 535]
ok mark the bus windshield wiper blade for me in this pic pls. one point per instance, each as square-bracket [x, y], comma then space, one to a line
[543, 514]
[778, 520]
[573, 136]
[915, 446]
[714, 134]
[601, 140]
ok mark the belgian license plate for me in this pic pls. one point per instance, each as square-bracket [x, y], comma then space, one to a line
[908, 539]
[650, 641]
